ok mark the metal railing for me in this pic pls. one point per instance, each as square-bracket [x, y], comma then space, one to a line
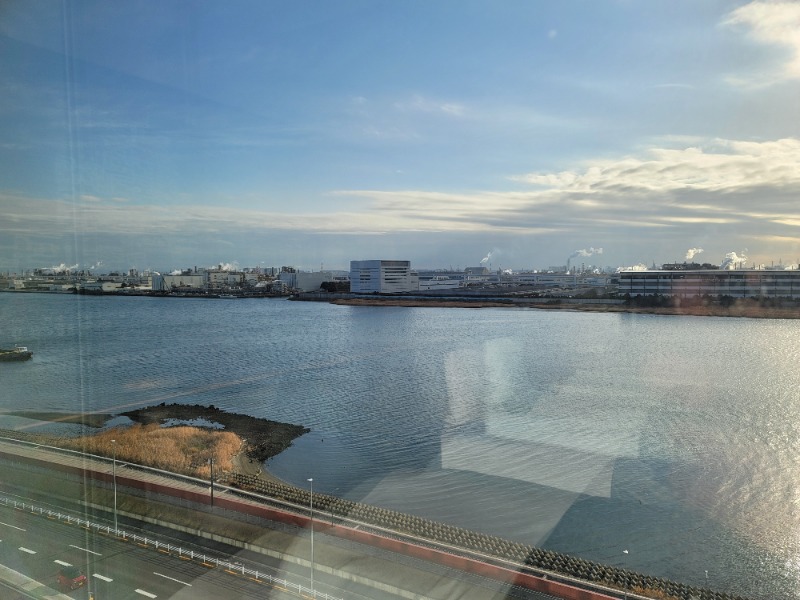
[202, 558]
[346, 521]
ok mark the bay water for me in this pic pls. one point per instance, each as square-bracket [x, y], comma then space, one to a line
[667, 445]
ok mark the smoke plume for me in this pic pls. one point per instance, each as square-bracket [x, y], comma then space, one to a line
[733, 261]
[488, 257]
[585, 252]
[692, 252]
[639, 267]
[234, 266]
[62, 268]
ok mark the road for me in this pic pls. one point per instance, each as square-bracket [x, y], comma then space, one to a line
[344, 569]
[39, 547]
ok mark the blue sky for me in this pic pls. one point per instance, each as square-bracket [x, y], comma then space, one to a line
[170, 134]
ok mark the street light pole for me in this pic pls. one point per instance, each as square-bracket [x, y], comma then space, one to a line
[211, 462]
[114, 476]
[625, 592]
[311, 481]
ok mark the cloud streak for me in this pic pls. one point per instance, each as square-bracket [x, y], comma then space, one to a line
[744, 186]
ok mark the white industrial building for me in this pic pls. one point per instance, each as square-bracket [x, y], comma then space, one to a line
[306, 281]
[736, 283]
[382, 277]
[218, 278]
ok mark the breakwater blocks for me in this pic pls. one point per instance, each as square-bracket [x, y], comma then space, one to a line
[524, 555]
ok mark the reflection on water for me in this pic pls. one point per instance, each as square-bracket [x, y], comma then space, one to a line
[587, 473]
[673, 438]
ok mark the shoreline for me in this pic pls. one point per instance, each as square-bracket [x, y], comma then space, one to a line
[740, 309]
[250, 468]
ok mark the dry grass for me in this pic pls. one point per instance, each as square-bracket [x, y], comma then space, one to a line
[181, 449]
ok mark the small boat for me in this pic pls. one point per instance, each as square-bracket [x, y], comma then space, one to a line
[16, 353]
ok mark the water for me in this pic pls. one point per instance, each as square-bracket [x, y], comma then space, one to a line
[674, 438]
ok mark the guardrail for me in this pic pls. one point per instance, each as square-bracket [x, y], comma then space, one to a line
[523, 568]
[146, 542]
[358, 527]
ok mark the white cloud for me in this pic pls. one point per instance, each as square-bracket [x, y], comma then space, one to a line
[724, 165]
[774, 24]
[670, 195]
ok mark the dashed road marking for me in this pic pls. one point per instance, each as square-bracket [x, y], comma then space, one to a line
[13, 526]
[102, 577]
[172, 579]
[85, 550]
[28, 550]
[143, 593]
[62, 563]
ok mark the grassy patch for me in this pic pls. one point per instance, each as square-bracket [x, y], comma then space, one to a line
[180, 449]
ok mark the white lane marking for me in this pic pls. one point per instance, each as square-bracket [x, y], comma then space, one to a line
[172, 579]
[85, 550]
[62, 563]
[143, 593]
[103, 577]
[27, 550]
[13, 526]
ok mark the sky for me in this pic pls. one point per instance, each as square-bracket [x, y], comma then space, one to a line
[520, 134]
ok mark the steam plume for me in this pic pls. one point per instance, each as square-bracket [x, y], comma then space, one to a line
[585, 252]
[639, 267]
[488, 257]
[732, 261]
[234, 266]
[692, 252]
[62, 268]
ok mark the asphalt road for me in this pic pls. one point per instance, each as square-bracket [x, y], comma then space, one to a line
[38, 548]
[122, 570]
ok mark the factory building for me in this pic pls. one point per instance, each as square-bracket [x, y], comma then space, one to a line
[182, 281]
[736, 283]
[305, 281]
[382, 277]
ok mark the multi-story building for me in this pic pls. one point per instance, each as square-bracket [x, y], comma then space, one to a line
[382, 277]
[737, 283]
